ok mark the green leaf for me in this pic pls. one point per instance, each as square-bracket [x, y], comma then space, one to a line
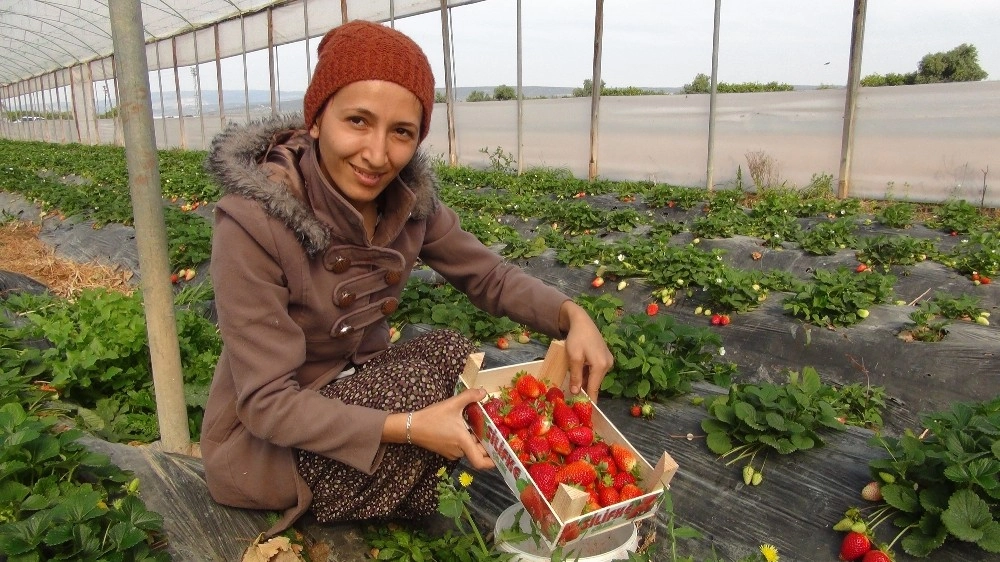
[124, 536]
[967, 516]
[903, 498]
[719, 443]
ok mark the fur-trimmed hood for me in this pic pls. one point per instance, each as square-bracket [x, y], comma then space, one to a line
[234, 160]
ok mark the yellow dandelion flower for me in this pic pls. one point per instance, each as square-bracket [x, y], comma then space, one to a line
[465, 479]
[442, 471]
[770, 552]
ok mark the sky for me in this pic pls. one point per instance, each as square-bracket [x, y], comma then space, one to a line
[665, 43]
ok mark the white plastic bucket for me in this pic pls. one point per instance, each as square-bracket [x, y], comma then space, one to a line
[609, 545]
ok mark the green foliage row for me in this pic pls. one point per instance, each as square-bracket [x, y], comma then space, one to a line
[94, 350]
[702, 84]
[58, 500]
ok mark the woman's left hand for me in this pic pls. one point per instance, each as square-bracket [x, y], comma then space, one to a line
[587, 352]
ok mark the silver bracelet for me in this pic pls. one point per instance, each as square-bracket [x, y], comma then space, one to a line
[409, 424]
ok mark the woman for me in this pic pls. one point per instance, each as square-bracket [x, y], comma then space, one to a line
[315, 236]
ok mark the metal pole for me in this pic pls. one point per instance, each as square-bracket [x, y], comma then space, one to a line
[270, 61]
[177, 92]
[710, 171]
[851, 103]
[151, 236]
[218, 77]
[159, 82]
[448, 90]
[520, 96]
[595, 94]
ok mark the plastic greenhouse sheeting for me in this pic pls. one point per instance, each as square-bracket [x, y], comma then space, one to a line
[44, 39]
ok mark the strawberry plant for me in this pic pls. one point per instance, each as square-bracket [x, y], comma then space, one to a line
[189, 238]
[721, 222]
[838, 297]
[887, 251]
[958, 216]
[519, 248]
[828, 238]
[657, 356]
[671, 196]
[444, 306]
[898, 214]
[979, 253]
[735, 290]
[943, 486]
[766, 417]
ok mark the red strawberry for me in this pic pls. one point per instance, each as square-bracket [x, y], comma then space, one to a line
[564, 416]
[580, 436]
[861, 268]
[569, 533]
[724, 320]
[477, 422]
[621, 479]
[555, 394]
[540, 426]
[872, 492]
[492, 406]
[528, 386]
[876, 556]
[716, 319]
[652, 308]
[520, 416]
[629, 491]
[537, 446]
[607, 495]
[597, 282]
[502, 343]
[544, 475]
[984, 280]
[855, 546]
[624, 458]
[558, 441]
[636, 410]
[593, 453]
[174, 278]
[584, 410]
[533, 503]
[581, 473]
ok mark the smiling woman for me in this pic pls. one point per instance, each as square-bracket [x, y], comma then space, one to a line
[315, 236]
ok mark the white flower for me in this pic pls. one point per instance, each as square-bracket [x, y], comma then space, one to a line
[722, 351]
[621, 257]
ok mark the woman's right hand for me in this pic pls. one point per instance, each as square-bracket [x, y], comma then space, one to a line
[441, 428]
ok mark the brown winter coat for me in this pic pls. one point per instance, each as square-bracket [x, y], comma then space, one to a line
[301, 294]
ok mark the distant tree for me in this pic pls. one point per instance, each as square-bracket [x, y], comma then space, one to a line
[504, 92]
[476, 95]
[439, 97]
[700, 85]
[960, 64]
[587, 90]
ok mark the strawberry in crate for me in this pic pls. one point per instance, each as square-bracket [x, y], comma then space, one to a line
[553, 437]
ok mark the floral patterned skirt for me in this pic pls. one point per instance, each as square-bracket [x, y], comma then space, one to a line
[406, 377]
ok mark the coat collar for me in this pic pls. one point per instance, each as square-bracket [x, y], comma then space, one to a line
[234, 160]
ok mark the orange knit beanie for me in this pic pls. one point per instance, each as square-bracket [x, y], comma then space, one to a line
[363, 50]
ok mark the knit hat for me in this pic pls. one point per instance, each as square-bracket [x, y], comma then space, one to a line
[363, 50]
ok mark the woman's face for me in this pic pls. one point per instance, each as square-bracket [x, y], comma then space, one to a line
[367, 132]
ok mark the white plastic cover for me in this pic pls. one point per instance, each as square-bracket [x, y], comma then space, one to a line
[44, 38]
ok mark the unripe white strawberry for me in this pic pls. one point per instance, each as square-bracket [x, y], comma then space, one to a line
[872, 492]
